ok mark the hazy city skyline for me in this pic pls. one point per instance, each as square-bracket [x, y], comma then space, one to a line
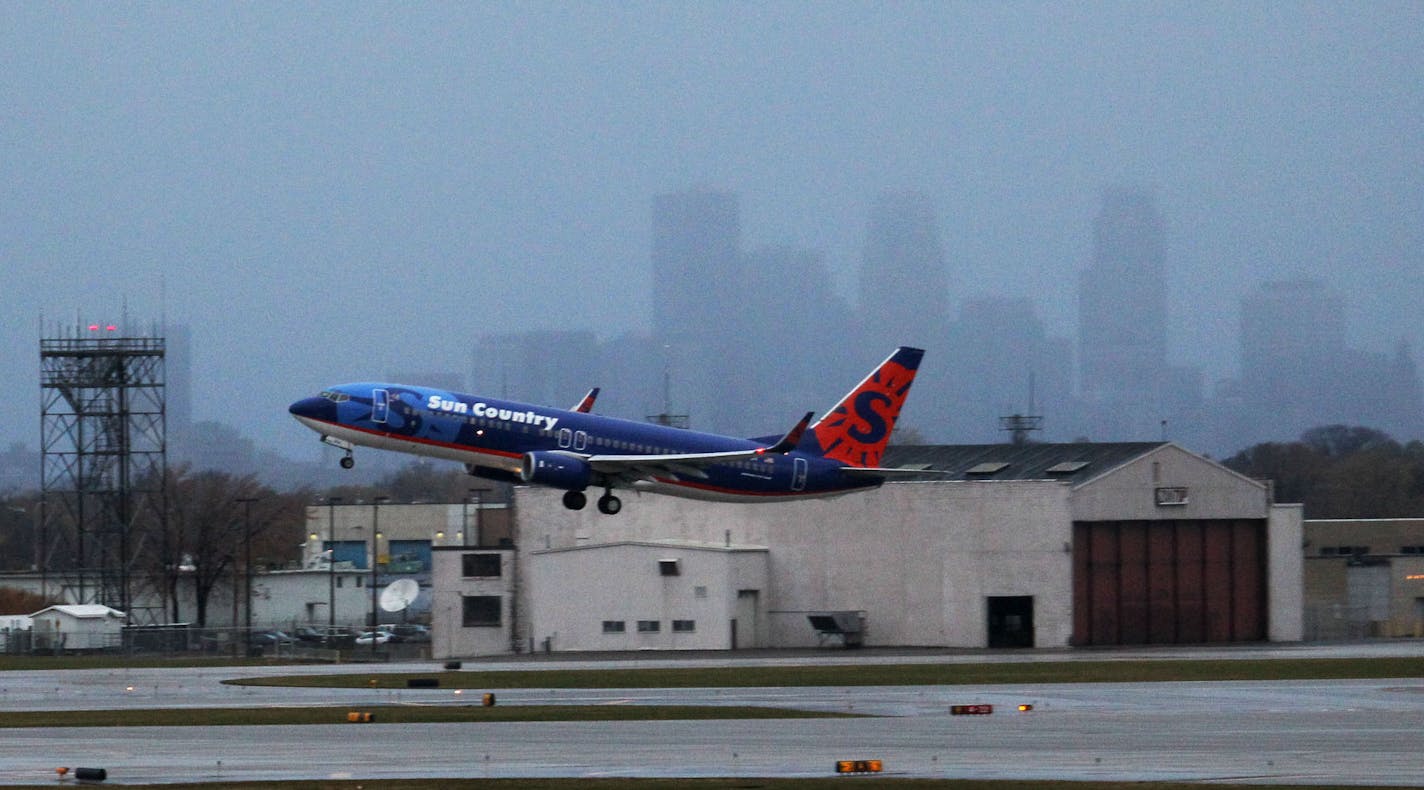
[324, 194]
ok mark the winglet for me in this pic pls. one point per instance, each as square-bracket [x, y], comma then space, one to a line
[586, 405]
[791, 439]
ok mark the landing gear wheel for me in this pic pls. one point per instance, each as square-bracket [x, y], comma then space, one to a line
[575, 500]
[347, 462]
[609, 505]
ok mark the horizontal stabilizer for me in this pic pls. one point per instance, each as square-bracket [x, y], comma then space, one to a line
[792, 437]
[885, 472]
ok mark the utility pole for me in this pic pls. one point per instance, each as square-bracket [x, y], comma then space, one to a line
[375, 539]
[331, 503]
[247, 564]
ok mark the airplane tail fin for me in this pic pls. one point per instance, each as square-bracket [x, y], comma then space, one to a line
[857, 430]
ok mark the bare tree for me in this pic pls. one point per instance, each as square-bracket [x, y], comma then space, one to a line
[215, 522]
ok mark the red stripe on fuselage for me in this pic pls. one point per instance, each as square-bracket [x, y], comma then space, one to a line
[400, 437]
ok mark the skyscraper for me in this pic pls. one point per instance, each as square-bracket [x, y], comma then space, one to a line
[904, 282]
[699, 284]
[696, 262]
[1122, 318]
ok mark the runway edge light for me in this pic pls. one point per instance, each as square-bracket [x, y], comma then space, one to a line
[858, 766]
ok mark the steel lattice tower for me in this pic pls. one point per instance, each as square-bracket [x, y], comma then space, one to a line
[104, 458]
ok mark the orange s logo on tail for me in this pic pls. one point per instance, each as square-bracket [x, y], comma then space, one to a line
[857, 430]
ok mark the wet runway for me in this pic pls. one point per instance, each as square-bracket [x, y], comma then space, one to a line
[1338, 732]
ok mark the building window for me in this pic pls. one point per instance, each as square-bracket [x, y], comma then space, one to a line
[649, 626]
[684, 626]
[1411, 549]
[614, 627]
[340, 581]
[699, 592]
[482, 565]
[482, 611]
[669, 568]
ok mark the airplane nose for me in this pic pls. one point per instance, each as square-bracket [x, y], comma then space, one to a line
[314, 408]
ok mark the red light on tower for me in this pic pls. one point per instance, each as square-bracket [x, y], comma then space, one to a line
[93, 327]
[112, 328]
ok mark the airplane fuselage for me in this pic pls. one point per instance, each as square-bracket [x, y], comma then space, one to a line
[494, 438]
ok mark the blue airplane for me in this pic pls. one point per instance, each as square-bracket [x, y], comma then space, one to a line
[575, 449]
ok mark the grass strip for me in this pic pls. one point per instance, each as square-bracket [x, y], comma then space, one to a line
[728, 783]
[393, 714]
[877, 674]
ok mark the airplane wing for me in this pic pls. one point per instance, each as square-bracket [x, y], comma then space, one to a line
[686, 465]
[586, 405]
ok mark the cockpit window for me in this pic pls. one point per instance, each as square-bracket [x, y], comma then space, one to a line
[334, 396]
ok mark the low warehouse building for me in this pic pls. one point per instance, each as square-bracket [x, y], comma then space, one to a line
[1011, 545]
[1045, 545]
[1364, 578]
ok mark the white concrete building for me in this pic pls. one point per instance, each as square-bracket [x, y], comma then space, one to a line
[1032, 545]
[668, 595]
[77, 627]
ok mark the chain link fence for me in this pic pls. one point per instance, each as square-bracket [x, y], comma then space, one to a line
[305, 643]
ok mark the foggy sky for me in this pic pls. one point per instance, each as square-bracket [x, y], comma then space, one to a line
[328, 192]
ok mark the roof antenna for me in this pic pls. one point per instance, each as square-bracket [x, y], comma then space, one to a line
[667, 417]
[1020, 426]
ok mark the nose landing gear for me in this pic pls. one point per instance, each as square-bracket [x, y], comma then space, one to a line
[347, 461]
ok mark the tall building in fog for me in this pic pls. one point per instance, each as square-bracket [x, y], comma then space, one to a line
[1292, 336]
[802, 364]
[696, 262]
[904, 279]
[178, 376]
[1122, 319]
[699, 304]
[1006, 363]
[1298, 371]
[550, 367]
[183, 443]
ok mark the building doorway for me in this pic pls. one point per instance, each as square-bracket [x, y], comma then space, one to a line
[1011, 621]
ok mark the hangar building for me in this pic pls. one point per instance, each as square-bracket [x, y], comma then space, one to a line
[1043, 545]
[1364, 578]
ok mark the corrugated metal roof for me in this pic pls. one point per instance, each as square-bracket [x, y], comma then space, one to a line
[1072, 462]
[81, 610]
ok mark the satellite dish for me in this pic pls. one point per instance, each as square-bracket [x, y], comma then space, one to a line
[399, 594]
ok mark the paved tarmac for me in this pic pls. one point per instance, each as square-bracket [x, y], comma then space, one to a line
[1335, 732]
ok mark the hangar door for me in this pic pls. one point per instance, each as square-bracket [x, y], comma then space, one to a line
[1169, 582]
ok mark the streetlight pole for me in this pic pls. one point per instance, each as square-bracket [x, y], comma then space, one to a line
[375, 539]
[331, 565]
[247, 562]
[478, 494]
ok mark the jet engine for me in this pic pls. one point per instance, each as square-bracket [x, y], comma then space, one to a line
[556, 469]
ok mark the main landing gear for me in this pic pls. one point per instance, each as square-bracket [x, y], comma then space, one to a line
[608, 504]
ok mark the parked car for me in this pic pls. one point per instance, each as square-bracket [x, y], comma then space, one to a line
[365, 637]
[306, 633]
[412, 632]
[406, 632]
[270, 639]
